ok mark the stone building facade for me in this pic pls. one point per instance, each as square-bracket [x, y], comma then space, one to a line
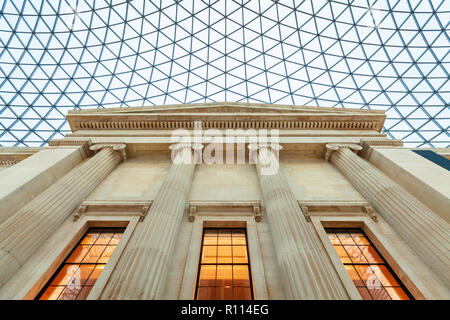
[121, 209]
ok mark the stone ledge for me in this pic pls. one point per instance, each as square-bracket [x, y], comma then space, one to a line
[221, 208]
[113, 207]
[336, 208]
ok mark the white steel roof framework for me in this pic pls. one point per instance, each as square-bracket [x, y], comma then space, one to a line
[59, 55]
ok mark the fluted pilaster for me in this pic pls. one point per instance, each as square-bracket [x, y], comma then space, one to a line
[25, 231]
[425, 232]
[141, 271]
[305, 271]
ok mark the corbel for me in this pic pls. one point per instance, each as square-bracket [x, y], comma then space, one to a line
[192, 213]
[257, 213]
[119, 147]
[144, 211]
[305, 211]
[371, 213]
[80, 211]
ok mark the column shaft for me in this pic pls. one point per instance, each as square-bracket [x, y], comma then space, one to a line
[22, 182]
[142, 269]
[425, 232]
[25, 231]
[306, 273]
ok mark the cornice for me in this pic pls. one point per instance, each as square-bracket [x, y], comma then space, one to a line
[10, 156]
[113, 207]
[220, 207]
[226, 106]
[240, 122]
[336, 208]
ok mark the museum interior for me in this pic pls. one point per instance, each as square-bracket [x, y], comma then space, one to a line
[224, 150]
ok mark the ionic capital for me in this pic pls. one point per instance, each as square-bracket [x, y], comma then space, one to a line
[258, 152]
[270, 147]
[186, 153]
[119, 147]
[83, 143]
[368, 144]
[186, 146]
[331, 147]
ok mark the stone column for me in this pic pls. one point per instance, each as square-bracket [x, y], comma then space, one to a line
[142, 269]
[425, 232]
[20, 183]
[26, 230]
[305, 271]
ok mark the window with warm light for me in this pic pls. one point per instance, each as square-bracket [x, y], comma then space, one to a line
[224, 270]
[77, 275]
[370, 273]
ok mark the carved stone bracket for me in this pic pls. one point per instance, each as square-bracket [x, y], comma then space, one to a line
[257, 213]
[331, 147]
[144, 212]
[80, 211]
[305, 211]
[192, 213]
[371, 213]
[119, 147]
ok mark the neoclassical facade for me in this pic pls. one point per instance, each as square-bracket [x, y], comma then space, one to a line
[224, 201]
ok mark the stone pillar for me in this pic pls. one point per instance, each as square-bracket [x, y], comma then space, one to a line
[142, 269]
[25, 231]
[306, 273]
[20, 183]
[426, 233]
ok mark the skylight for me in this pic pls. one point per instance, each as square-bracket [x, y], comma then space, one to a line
[59, 55]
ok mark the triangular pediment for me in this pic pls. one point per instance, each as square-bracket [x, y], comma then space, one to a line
[223, 107]
[223, 115]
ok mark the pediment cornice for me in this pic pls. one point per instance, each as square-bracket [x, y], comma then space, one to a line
[226, 116]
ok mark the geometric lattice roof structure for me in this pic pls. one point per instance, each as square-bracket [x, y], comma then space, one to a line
[60, 55]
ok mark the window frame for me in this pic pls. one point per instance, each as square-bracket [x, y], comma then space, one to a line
[385, 263]
[384, 245]
[64, 262]
[220, 220]
[249, 263]
[29, 280]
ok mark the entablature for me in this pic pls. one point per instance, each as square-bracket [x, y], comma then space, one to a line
[10, 156]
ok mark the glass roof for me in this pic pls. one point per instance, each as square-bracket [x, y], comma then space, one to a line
[59, 55]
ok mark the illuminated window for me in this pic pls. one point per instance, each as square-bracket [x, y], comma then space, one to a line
[78, 273]
[370, 273]
[224, 271]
